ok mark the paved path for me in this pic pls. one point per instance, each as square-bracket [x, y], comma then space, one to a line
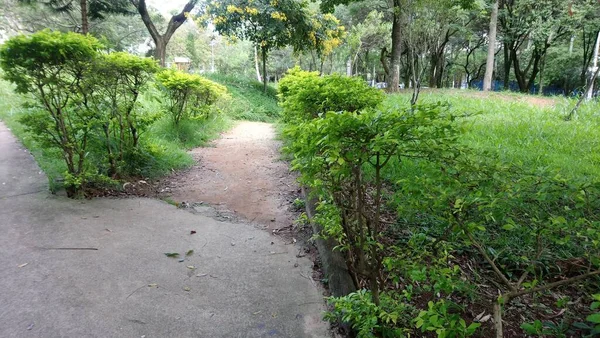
[239, 282]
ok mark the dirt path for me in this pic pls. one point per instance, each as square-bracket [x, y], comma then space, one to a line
[242, 172]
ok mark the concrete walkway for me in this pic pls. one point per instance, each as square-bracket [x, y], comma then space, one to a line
[239, 282]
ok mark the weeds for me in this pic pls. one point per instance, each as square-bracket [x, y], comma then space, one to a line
[248, 101]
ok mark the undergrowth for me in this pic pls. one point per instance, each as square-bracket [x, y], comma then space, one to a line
[248, 101]
[459, 208]
[164, 145]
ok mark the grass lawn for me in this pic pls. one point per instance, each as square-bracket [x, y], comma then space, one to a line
[525, 130]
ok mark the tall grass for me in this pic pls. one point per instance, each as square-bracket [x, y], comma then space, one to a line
[248, 101]
[521, 133]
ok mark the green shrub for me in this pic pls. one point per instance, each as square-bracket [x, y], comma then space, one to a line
[342, 155]
[188, 95]
[452, 206]
[443, 318]
[93, 111]
[53, 67]
[305, 95]
[123, 77]
[370, 320]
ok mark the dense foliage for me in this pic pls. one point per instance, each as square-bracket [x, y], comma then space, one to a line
[87, 103]
[306, 95]
[425, 221]
[188, 95]
[119, 82]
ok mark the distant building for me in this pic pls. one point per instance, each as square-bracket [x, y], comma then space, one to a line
[182, 63]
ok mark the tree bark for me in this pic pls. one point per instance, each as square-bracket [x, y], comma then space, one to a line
[349, 67]
[384, 63]
[394, 78]
[258, 78]
[489, 64]
[542, 66]
[498, 320]
[85, 27]
[507, 66]
[161, 40]
[160, 53]
[264, 65]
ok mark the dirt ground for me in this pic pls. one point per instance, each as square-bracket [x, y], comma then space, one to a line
[241, 172]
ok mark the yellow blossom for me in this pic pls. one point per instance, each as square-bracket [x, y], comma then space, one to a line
[279, 16]
[219, 20]
[232, 9]
[251, 11]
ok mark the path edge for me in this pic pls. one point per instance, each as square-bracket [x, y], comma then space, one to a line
[334, 265]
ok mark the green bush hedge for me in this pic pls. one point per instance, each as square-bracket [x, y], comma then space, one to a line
[188, 95]
[424, 221]
[305, 95]
[87, 104]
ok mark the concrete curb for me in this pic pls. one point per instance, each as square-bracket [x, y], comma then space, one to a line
[333, 263]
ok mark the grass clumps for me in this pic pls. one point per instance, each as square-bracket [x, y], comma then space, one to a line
[248, 101]
[522, 132]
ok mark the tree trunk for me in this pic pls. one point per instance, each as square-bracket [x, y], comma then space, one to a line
[160, 53]
[439, 75]
[498, 320]
[489, 64]
[258, 78]
[394, 79]
[542, 66]
[349, 67]
[161, 40]
[507, 66]
[85, 27]
[384, 63]
[264, 64]
[433, 63]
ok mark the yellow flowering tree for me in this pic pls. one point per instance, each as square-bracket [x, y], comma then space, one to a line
[268, 24]
[325, 35]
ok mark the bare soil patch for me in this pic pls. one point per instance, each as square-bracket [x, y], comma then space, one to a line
[240, 172]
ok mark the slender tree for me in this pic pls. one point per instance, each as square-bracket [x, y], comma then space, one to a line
[489, 65]
[161, 40]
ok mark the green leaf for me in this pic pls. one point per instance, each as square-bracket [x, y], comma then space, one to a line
[189, 253]
[508, 227]
[172, 254]
[594, 318]
[529, 328]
